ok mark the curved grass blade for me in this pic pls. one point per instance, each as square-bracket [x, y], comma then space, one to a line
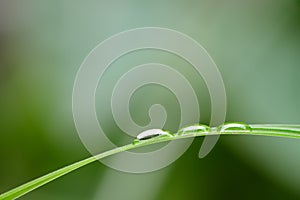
[274, 130]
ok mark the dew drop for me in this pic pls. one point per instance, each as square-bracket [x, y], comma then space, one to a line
[151, 133]
[194, 128]
[234, 127]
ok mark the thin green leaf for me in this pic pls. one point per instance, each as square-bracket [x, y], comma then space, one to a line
[275, 130]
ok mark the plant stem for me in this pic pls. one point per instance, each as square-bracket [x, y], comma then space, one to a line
[276, 130]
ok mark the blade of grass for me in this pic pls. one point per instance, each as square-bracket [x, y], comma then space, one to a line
[276, 130]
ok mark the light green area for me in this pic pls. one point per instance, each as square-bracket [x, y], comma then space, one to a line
[255, 44]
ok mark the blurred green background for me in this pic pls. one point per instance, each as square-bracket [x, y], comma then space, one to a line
[256, 45]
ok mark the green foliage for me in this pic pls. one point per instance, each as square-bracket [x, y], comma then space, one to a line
[279, 130]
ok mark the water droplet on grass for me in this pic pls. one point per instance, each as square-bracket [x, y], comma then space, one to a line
[151, 133]
[194, 129]
[234, 127]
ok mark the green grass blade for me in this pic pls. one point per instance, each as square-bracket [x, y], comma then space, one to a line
[27, 187]
[274, 130]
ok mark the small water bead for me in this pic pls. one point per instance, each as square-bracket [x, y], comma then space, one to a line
[194, 129]
[234, 127]
[151, 133]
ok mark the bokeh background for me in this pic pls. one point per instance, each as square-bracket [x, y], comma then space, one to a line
[256, 45]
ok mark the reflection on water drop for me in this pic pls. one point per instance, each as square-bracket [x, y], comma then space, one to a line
[194, 129]
[234, 127]
[151, 133]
